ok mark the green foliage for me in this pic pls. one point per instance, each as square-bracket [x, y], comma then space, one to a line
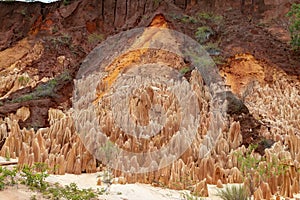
[156, 2]
[66, 2]
[187, 196]
[218, 60]
[203, 33]
[294, 28]
[7, 177]
[23, 98]
[109, 150]
[248, 161]
[217, 19]
[184, 70]
[189, 19]
[107, 176]
[95, 38]
[71, 192]
[250, 165]
[63, 40]
[212, 48]
[233, 193]
[47, 89]
[23, 80]
[7, 155]
[184, 18]
[35, 176]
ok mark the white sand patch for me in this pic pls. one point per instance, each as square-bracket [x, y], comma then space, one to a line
[128, 191]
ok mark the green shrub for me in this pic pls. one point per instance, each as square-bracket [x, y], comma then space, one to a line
[203, 33]
[35, 176]
[212, 48]
[26, 97]
[47, 89]
[233, 193]
[294, 28]
[217, 19]
[7, 177]
[188, 19]
[71, 192]
[250, 165]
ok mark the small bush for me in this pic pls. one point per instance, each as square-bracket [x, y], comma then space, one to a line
[212, 49]
[217, 19]
[233, 193]
[7, 177]
[35, 176]
[203, 33]
[188, 19]
[71, 192]
[294, 28]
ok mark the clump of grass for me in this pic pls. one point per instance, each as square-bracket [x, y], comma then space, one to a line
[184, 70]
[187, 196]
[95, 38]
[234, 193]
[23, 80]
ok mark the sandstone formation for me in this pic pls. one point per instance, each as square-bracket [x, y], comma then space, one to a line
[58, 146]
[210, 157]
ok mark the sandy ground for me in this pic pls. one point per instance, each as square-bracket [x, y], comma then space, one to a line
[114, 192]
[127, 191]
